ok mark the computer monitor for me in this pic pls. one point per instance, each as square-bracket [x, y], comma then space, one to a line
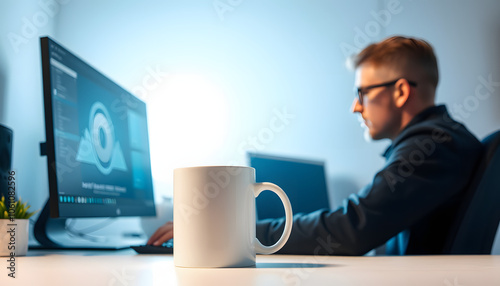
[97, 143]
[303, 181]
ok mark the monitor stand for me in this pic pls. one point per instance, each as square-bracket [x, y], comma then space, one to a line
[51, 233]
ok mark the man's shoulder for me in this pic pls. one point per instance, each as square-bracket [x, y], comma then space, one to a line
[441, 127]
[439, 130]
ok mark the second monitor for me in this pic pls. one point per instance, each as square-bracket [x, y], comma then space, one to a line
[303, 181]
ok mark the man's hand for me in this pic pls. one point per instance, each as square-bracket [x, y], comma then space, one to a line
[162, 234]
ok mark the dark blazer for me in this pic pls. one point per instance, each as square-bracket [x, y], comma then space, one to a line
[409, 204]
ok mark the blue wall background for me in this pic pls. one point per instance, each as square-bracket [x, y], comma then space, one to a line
[224, 77]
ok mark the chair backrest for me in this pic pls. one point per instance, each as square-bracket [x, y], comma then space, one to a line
[479, 215]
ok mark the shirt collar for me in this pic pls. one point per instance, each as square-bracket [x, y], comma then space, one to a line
[433, 111]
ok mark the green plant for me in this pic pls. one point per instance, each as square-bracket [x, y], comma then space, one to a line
[19, 210]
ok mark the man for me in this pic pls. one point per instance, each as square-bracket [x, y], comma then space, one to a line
[413, 199]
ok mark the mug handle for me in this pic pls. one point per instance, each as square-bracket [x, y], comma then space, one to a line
[259, 247]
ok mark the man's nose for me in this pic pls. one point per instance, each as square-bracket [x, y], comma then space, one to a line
[356, 107]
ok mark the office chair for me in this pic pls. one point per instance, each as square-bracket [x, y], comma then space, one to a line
[475, 227]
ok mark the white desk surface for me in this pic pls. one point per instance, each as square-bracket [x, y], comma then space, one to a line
[124, 268]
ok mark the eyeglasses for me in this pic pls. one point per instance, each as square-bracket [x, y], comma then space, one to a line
[361, 91]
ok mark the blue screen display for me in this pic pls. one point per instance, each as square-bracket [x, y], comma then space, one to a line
[100, 138]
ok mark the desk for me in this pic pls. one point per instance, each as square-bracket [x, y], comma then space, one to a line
[124, 268]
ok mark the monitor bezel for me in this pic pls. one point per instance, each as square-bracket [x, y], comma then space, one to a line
[49, 127]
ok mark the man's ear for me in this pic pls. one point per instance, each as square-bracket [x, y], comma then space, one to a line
[401, 92]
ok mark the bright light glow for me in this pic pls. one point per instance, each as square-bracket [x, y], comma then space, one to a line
[187, 123]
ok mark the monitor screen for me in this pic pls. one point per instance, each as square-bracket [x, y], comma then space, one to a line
[96, 141]
[304, 182]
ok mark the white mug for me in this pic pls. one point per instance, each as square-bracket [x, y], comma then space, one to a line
[214, 217]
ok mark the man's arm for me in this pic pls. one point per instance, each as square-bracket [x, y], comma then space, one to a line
[401, 194]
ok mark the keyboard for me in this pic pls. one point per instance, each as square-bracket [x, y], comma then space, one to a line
[166, 248]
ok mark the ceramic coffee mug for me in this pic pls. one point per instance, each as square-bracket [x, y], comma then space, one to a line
[214, 217]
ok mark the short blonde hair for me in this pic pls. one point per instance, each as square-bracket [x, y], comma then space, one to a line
[397, 51]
